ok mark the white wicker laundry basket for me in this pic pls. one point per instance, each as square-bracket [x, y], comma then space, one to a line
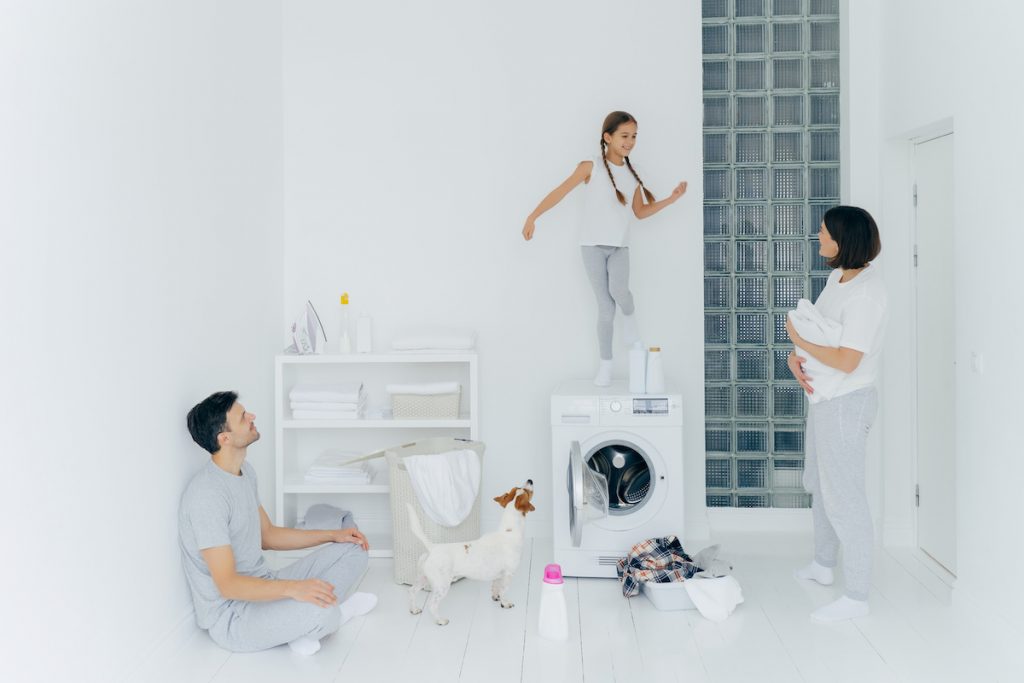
[407, 548]
[426, 407]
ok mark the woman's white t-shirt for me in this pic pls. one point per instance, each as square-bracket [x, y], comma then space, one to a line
[860, 307]
[603, 220]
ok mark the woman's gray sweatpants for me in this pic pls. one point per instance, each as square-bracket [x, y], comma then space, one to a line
[835, 444]
[608, 270]
[252, 626]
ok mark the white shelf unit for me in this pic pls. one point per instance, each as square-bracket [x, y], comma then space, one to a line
[298, 442]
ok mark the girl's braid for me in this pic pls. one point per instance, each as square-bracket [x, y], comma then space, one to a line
[622, 198]
[647, 193]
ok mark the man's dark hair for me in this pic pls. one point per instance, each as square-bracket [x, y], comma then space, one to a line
[209, 418]
[855, 231]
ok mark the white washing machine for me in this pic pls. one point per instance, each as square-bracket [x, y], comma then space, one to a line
[636, 441]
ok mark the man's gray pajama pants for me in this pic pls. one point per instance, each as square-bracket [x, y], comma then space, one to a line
[251, 626]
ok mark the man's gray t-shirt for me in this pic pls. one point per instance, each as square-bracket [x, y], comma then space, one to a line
[219, 508]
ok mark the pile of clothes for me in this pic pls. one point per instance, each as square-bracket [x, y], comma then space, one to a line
[713, 591]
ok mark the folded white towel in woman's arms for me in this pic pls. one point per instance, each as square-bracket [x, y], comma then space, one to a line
[817, 329]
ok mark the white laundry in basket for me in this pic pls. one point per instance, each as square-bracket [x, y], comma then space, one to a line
[445, 484]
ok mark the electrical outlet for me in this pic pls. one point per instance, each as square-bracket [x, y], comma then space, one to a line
[977, 362]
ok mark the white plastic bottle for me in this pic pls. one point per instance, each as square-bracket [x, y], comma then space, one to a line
[344, 342]
[553, 621]
[655, 374]
[364, 334]
[638, 370]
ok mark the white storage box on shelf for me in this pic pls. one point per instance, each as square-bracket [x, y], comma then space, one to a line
[671, 595]
[407, 548]
[426, 407]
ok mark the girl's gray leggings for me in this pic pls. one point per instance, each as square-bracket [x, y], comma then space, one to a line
[608, 270]
[835, 444]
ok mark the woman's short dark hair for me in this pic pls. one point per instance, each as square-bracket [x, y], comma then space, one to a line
[856, 233]
[209, 418]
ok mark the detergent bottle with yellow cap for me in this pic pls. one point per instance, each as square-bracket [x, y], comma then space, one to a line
[344, 342]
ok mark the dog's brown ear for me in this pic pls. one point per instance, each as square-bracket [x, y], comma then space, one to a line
[504, 498]
[523, 503]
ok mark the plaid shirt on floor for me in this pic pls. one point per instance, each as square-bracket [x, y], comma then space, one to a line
[660, 560]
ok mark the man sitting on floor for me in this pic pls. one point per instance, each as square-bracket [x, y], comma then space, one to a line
[223, 530]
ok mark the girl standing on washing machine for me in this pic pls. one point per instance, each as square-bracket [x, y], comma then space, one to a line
[606, 220]
[837, 426]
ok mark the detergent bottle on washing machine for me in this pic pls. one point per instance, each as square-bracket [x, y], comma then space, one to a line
[553, 622]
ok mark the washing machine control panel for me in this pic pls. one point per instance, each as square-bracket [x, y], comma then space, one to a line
[638, 410]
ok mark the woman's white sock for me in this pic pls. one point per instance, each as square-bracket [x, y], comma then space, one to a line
[604, 374]
[816, 572]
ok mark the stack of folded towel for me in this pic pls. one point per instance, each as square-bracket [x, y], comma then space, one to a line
[346, 400]
[429, 389]
[433, 339]
[331, 469]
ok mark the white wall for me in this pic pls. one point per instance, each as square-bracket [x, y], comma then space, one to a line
[140, 270]
[939, 67]
[418, 136]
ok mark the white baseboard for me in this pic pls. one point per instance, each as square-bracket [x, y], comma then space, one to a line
[759, 520]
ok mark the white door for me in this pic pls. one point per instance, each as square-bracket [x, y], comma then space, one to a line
[936, 389]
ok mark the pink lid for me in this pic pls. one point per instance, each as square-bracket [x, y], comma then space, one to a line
[553, 574]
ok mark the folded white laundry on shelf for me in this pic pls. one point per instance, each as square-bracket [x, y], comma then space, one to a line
[435, 339]
[343, 392]
[817, 329]
[331, 468]
[446, 484]
[431, 389]
[327, 414]
[327, 405]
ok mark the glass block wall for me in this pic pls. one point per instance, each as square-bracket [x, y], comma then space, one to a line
[771, 170]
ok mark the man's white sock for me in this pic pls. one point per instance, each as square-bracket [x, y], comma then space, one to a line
[604, 374]
[356, 605]
[815, 572]
[840, 610]
[306, 645]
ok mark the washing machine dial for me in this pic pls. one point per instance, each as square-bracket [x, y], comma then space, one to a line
[615, 406]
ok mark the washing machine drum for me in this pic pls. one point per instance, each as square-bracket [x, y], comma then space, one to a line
[628, 473]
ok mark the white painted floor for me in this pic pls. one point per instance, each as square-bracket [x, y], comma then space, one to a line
[914, 633]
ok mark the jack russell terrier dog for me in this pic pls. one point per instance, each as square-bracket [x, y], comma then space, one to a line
[493, 557]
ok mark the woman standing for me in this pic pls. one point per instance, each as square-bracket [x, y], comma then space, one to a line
[837, 427]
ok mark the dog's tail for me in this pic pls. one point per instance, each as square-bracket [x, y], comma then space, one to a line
[417, 530]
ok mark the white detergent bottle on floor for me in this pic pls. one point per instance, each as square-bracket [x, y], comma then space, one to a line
[655, 373]
[553, 622]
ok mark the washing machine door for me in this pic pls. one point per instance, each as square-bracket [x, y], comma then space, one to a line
[636, 474]
[574, 483]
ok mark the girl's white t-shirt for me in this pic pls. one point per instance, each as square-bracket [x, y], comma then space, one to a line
[603, 220]
[860, 306]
